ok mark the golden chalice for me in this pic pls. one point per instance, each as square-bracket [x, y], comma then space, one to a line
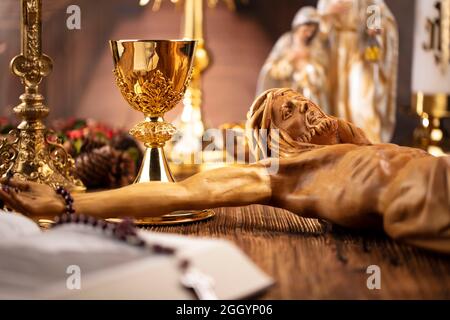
[152, 76]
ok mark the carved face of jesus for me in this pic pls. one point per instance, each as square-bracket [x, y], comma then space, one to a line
[303, 120]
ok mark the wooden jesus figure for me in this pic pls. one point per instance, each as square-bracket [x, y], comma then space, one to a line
[327, 169]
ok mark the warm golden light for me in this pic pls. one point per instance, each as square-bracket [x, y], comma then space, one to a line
[152, 76]
[143, 2]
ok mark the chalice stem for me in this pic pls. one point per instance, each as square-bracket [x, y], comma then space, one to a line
[154, 132]
[154, 167]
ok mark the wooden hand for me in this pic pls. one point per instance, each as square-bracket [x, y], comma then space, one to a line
[30, 198]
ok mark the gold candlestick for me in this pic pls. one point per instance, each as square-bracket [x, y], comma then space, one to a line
[190, 125]
[432, 110]
[190, 122]
[29, 152]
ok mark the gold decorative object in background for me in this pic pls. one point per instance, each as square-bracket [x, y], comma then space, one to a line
[189, 122]
[431, 75]
[430, 135]
[152, 76]
[211, 3]
[29, 153]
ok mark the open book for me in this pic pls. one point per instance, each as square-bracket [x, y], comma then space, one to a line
[75, 261]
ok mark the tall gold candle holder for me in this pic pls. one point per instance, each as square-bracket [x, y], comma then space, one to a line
[430, 134]
[29, 153]
[190, 122]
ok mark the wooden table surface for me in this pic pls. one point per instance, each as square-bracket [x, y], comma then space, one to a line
[310, 260]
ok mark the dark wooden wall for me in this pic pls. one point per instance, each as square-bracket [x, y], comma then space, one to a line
[275, 18]
[82, 84]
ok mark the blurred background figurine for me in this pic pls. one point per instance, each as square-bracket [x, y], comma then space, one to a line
[363, 37]
[298, 60]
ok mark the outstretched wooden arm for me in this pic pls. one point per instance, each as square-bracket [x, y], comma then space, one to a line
[233, 186]
[402, 190]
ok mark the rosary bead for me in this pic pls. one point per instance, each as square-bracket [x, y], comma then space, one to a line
[124, 231]
[93, 222]
[68, 199]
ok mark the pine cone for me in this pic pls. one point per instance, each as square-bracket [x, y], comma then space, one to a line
[92, 142]
[125, 170]
[105, 167]
[88, 144]
[123, 141]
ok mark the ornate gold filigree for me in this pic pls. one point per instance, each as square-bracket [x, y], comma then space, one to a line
[153, 95]
[153, 134]
[31, 66]
[33, 156]
[8, 151]
[29, 153]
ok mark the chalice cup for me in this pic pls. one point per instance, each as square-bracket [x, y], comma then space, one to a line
[152, 76]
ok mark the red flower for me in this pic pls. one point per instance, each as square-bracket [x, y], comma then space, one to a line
[4, 121]
[75, 134]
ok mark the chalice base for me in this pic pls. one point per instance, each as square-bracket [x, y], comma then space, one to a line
[155, 168]
[173, 218]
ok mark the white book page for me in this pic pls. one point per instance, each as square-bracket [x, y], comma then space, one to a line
[29, 264]
[14, 225]
[234, 275]
[36, 266]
